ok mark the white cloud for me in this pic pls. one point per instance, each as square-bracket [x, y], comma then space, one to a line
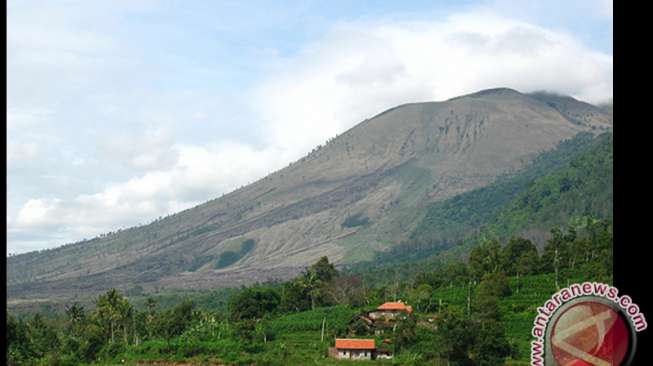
[146, 150]
[36, 212]
[359, 70]
[198, 174]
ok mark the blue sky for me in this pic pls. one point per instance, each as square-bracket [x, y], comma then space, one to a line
[120, 112]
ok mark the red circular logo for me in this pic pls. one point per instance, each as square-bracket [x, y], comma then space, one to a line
[590, 333]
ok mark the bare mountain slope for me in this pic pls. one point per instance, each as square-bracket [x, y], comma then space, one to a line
[362, 191]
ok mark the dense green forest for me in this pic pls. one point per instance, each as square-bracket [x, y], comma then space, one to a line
[477, 312]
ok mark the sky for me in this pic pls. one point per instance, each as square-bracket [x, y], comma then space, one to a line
[123, 111]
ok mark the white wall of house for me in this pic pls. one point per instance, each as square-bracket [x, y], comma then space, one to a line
[355, 354]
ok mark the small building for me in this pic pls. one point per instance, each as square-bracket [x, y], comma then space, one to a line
[353, 349]
[390, 312]
[379, 320]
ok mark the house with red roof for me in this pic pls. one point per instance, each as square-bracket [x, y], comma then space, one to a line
[353, 349]
[383, 317]
[390, 312]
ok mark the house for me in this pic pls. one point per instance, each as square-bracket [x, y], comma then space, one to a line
[380, 319]
[353, 349]
[390, 312]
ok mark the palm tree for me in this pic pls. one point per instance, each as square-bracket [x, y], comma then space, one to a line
[310, 283]
[151, 306]
[126, 314]
[114, 308]
[76, 316]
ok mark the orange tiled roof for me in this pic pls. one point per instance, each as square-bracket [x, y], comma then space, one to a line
[355, 344]
[396, 306]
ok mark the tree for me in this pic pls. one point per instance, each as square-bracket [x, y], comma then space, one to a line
[150, 317]
[360, 327]
[293, 297]
[601, 251]
[324, 270]
[434, 279]
[42, 337]
[75, 313]
[490, 289]
[479, 339]
[456, 273]
[253, 303]
[581, 252]
[141, 326]
[115, 310]
[485, 258]
[556, 251]
[12, 330]
[308, 290]
[310, 284]
[494, 284]
[519, 257]
[405, 333]
[422, 298]
[344, 290]
[150, 303]
[18, 344]
[456, 336]
[491, 347]
[174, 321]
[76, 317]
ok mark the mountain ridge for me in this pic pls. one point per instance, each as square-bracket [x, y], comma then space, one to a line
[384, 169]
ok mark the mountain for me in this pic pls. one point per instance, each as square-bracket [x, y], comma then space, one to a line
[364, 191]
[569, 185]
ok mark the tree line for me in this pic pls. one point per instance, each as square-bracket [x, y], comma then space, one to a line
[473, 334]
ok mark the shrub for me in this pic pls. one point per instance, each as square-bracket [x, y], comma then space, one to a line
[355, 220]
[111, 350]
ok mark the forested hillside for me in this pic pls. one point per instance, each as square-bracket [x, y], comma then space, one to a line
[582, 188]
[572, 183]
